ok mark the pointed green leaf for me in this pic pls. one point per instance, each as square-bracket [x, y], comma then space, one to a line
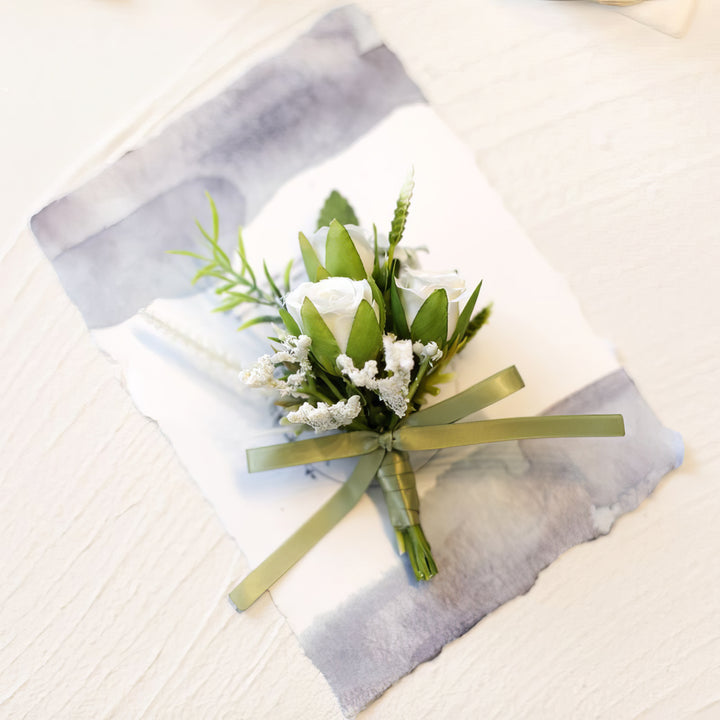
[271, 282]
[341, 257]
[376, 251]
[401, 211]
[290, 325]
[188, 253]
[430, 323]
[365, 339]
[336, 207]
[397, 312]
[207, 271]
[258, 320]
[379, 301]
[215, 218]
[314, 269]
[465, 315]
[286, 276]
[246, 267]
[475, 324]
[324, 346]
[228, 305]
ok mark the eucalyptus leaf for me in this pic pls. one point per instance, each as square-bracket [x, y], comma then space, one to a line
[431, 322]
[341, 257]
[336, 207]
[324, 346]
[365, 339]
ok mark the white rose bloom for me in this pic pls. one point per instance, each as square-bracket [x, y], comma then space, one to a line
[336, 299]
[363, 239]
[416, 286]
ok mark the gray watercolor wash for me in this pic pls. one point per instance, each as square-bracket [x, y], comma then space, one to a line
[288, 113]
[497, 515]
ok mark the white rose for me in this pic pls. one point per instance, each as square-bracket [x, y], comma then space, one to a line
[363, 240]
[416, 286]
[336, 299]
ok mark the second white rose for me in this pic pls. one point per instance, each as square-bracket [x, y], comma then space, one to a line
[416, 286]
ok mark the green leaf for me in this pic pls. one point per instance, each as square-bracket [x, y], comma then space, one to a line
[314, 269]
[215, 218]
[397, 312]
[379, 301]
[464, 317]
[229, 304]
[258, 320]
[341, 257]
[290, 325]
[430, 323]
[401, 211]
[271, 282]
[208, 271]
[475, 324]
[188, 253]
[365, 339]
[286, 276]
[376, 251]
[324, 346]
[336, 207]
[243, 258]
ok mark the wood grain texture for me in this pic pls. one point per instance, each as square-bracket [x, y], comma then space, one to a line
[601, 136]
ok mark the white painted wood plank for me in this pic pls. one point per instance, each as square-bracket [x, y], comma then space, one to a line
[601, 136]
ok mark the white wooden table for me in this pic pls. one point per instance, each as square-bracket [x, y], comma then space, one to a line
[603, 138]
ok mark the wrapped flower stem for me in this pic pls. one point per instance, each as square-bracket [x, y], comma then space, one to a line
[397, 480]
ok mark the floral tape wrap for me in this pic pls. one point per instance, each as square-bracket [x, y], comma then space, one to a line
[385, 455]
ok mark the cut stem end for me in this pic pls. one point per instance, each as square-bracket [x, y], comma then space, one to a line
[418, 549]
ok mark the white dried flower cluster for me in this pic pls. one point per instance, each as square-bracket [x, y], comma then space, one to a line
[393, 389]
[327, 417]
[431, 350]
[262, 374]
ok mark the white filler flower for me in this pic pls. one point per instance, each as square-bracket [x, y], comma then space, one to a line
[392, 389]
[336, 299]
[327, 417]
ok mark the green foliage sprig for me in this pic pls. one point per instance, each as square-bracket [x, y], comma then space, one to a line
[233, 286]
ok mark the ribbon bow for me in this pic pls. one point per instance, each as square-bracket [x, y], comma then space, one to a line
[428, 429]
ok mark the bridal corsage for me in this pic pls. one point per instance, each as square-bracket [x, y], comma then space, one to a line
[358, 348]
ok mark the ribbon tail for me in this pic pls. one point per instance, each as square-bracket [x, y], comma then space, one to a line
[308, 534]
[436, 437]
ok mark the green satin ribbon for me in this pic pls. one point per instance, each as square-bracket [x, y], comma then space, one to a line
[429, 429]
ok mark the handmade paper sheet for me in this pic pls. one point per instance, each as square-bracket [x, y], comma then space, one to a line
[337, 110]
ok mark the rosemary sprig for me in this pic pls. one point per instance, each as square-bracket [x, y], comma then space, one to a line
[234, 287]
